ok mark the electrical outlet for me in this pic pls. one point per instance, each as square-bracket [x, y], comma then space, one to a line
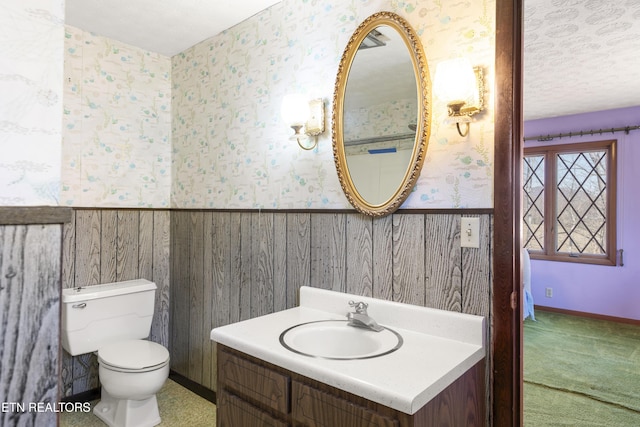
[548, 292]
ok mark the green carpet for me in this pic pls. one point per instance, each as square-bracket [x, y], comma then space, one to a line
[580, 372]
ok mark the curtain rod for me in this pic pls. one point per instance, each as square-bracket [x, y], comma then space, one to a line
[625, 129]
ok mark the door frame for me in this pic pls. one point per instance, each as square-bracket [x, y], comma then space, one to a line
[506, 321]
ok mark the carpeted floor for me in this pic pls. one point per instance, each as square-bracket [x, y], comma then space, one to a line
[178, 407]
[580, 372]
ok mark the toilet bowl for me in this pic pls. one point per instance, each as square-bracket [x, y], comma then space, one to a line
[112, 320]
[131, 373]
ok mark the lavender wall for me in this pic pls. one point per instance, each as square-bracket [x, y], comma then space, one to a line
[611, 291]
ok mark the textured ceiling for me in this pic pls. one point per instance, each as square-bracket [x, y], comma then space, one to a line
[580, 55]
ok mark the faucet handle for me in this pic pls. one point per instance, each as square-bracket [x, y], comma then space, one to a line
[361, 307]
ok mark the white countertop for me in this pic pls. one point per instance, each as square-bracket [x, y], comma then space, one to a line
[439, 346]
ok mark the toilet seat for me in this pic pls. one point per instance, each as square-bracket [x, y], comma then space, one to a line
[133, 356]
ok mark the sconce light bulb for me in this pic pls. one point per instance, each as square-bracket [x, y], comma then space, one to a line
[455, 80]
[295, 109]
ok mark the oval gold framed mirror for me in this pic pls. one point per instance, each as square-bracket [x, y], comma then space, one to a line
[381, 114]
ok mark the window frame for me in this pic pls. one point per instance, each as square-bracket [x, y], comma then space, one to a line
[550, 153]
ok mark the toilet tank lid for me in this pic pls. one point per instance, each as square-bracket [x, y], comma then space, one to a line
[71, 295]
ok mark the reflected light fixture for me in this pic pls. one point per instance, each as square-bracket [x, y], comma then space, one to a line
[461, 86]
[305, 117]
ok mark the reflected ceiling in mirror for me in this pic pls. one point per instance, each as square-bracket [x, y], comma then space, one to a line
[381, 114]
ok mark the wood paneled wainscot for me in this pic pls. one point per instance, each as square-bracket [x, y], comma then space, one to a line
[113, 245]
[255, 393]
[30, 268]
[228, 266]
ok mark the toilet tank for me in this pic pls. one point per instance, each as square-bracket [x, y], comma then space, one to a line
[94, 316]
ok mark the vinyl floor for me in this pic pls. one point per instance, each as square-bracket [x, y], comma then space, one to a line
[178, 407]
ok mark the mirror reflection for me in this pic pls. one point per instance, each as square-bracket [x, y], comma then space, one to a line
[380, 114]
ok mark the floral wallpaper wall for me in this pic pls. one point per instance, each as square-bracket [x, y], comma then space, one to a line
[31, 56]
[231, 148]
[117, 124]
[203, 129]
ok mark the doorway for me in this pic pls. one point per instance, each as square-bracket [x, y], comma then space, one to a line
[507, 309]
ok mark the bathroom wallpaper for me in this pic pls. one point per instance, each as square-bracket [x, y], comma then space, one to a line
[231, 148]
[203, 129]
[116, 124]
[31, 56]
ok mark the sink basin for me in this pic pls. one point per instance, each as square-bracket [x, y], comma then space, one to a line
[335, 339]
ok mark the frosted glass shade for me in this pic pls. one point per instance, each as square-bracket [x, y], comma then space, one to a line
[295, 109]
[455, 80]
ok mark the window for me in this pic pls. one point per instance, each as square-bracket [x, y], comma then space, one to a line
[569, 202]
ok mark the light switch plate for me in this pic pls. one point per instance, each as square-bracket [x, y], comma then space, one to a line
[470, 232]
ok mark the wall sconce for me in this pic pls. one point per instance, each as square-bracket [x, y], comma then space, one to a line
[305, 117]
[462, 87]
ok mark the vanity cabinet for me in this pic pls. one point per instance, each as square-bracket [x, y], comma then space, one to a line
[254, 393]
[249, 392]
[316, 408]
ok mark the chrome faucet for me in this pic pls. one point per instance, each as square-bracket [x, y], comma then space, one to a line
[360, 319]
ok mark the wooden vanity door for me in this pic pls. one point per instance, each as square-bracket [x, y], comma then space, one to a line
[233, 411]
[250, 394]
[315, 408]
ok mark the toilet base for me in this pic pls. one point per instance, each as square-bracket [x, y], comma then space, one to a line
[127, 413]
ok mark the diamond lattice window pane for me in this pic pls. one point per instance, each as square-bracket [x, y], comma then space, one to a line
[533, 206]
[581, 202]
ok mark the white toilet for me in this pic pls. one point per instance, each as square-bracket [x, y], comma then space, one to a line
[112, 320]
